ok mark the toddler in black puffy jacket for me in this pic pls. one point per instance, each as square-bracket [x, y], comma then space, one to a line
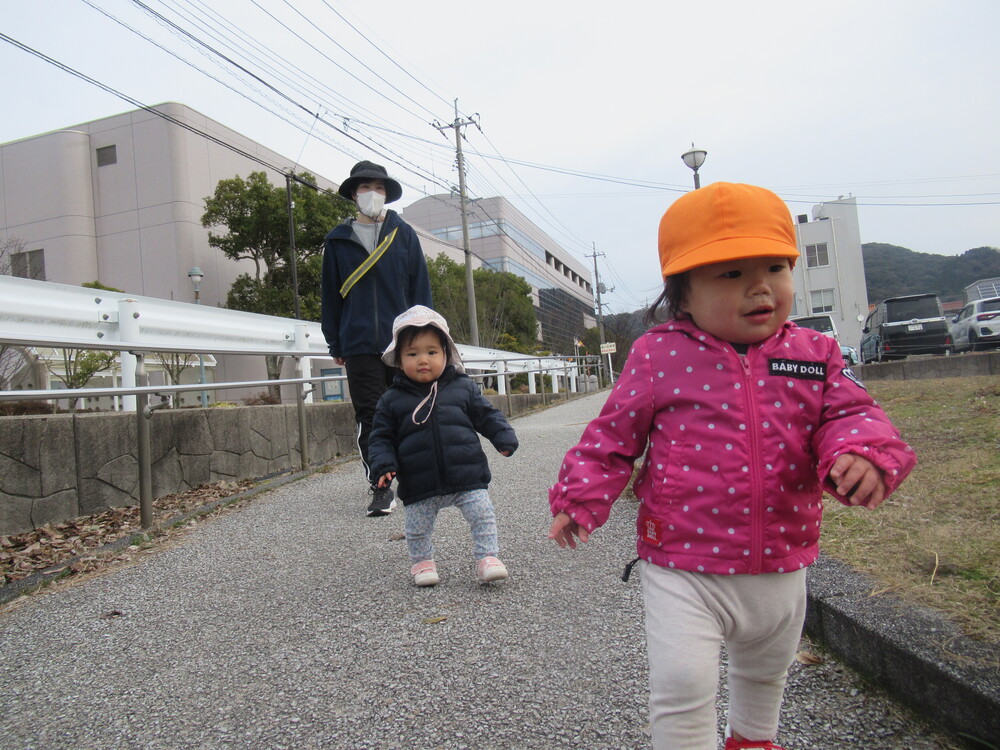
[426, 435]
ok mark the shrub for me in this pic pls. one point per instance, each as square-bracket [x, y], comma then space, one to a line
[261, 399]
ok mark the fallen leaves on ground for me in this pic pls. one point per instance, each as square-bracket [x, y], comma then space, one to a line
[809, 658]
[75, 543]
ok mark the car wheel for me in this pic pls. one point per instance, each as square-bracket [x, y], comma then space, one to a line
[974, 345]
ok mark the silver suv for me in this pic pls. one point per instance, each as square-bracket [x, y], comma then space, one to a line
[977, 326]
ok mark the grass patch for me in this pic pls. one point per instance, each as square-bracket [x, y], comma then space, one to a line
[936, 542]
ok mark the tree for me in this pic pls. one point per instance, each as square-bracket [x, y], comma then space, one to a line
[504, 310]
[175, 363]
[621, 329]
[255, 215]
[892, 271]
[98, 285]
[79, 366]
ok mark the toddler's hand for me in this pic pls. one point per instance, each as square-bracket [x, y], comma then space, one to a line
[858, 479]
[386, 479]
[506, 453]
[562, 530]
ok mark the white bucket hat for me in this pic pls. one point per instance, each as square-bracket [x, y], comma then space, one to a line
[419, 316]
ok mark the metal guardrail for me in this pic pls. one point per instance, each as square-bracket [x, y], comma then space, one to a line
[42, 314]
[144, 411]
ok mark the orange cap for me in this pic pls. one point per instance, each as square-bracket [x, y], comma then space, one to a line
[724, 221]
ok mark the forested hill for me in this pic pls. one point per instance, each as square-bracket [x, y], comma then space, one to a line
[891, 271]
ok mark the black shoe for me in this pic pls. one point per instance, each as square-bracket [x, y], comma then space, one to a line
[383, 501]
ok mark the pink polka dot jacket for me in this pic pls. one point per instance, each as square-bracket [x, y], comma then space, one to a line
[739, 448]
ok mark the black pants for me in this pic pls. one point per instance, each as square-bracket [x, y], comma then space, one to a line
[367, 378]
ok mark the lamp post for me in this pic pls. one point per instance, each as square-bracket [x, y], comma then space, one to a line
[196, 276]
[694, 159]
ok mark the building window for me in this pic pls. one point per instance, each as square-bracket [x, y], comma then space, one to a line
[28, 265]
[822, 301]
[107, 155]
[817, 255]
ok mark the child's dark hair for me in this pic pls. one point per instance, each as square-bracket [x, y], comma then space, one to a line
[407, 335]
[668, 305]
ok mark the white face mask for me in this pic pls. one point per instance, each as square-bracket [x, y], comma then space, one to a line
[370, 203]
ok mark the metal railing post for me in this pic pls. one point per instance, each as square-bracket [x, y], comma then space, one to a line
[507, 384]
[301, 392]
[142, 417]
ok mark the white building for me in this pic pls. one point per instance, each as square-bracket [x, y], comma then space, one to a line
[830, 274]
[506, 240]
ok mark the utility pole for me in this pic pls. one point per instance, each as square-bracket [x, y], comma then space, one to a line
[600, 313]
[470, 289]
[597, 286]
[292, 258]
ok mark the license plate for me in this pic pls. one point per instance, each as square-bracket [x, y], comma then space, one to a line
[915, 327]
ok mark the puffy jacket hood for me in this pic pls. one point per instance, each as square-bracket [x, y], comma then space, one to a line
[419, 316]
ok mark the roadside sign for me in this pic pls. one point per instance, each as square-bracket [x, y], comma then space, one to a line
[610, 348]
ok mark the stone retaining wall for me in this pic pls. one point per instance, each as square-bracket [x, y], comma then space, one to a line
[57, 467]
[964, 365]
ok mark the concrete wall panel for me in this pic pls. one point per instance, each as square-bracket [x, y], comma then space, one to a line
[40, 483]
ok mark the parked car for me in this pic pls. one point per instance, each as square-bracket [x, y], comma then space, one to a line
[825, 324]
[900, 326]
[977, 326]
[850, 354]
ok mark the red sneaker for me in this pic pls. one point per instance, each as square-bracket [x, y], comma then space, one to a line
[732, 744]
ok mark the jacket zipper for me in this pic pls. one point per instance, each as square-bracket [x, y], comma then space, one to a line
[438, 454]
[756, 493]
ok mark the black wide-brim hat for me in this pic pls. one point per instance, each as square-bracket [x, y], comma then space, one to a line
[364, 171]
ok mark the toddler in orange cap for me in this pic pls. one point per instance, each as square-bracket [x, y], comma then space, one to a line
[748, 420]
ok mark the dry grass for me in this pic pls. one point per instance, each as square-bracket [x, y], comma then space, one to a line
[935, 542]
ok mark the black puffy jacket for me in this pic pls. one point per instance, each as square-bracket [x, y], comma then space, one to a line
[443, 454]
[361, 322]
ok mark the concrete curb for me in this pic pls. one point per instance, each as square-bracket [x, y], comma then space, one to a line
[914, 653]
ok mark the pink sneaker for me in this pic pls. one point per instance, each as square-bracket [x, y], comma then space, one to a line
[425, 573]
[490, 569]
[732, 744]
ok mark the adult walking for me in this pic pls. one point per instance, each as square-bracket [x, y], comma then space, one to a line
[373, 270]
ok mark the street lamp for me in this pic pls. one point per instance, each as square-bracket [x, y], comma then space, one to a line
[694, 159]
[196, 276]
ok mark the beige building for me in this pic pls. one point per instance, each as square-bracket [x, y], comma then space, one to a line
[119, 200]
[506, 240]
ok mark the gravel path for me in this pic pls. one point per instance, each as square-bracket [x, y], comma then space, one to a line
[292, 623]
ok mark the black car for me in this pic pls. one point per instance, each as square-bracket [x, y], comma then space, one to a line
[900, 326]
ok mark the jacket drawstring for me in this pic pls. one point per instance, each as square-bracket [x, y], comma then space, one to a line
[628, 569]
[432, 397]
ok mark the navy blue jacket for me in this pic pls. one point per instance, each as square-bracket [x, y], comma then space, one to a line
[443, 455]
[361, 323]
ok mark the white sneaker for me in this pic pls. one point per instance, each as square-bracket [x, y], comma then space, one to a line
[425, 573]
[490, 569]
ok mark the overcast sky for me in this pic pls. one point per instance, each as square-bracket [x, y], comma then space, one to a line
[892, 101]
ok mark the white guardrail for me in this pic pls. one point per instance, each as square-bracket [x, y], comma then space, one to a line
[36, 314]
[45, 314]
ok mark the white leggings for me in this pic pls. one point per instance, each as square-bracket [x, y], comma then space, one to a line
[688, 617]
